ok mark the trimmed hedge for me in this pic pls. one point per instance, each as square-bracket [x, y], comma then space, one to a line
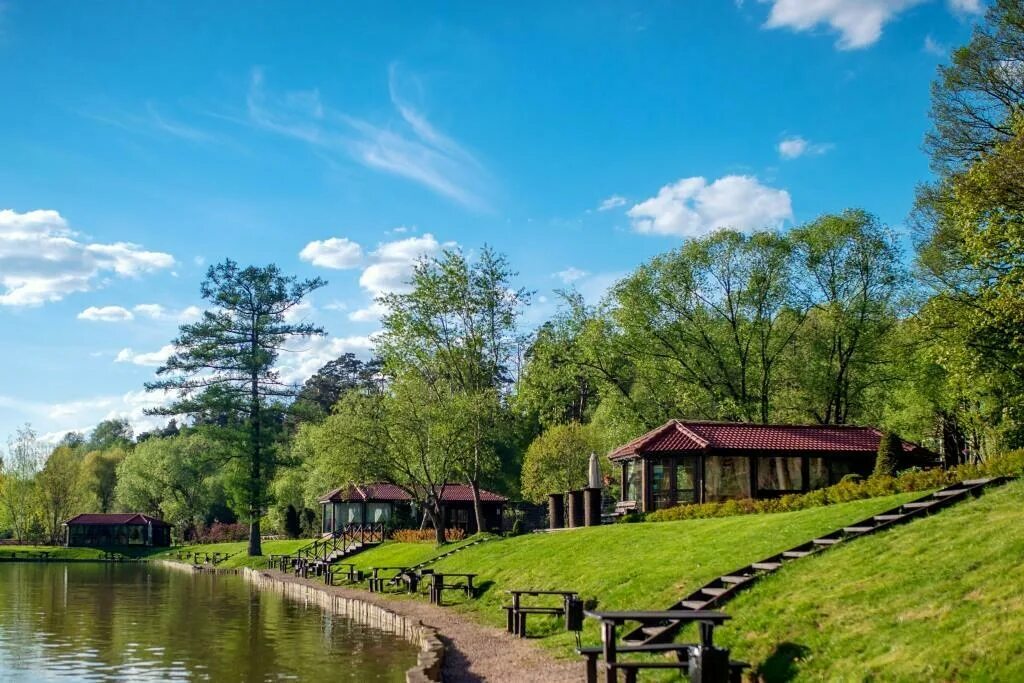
[850, 488]
[426, 535]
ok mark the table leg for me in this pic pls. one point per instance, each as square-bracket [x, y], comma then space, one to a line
[707, 634]
[608, 642]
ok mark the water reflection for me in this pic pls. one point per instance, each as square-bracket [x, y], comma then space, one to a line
[100, 622]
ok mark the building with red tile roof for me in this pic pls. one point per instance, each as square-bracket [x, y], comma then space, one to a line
[391, 505]
[694, 461]
[114, 529]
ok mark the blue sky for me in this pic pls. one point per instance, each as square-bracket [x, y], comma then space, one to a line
[141, 142]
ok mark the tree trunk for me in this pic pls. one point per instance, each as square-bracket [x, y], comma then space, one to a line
[436, 519]
[255, 548]
[478, 508]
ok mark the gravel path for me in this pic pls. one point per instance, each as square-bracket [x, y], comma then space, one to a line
[475, 652]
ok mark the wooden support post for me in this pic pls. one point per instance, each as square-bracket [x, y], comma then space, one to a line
[556, 510]
[592, 507]
[575, 508]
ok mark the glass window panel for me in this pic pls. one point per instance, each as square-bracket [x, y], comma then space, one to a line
[632, 491]
[726, 477]
[686, 478]
[661, 485]
[379, 512]
[819, 473]
[779, 474]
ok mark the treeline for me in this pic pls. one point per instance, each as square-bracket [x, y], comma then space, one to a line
[829, 322]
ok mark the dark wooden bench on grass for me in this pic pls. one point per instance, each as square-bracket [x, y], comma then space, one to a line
[377, 583]
[439, 584]
[704, 662]
[346, 570]
[516, 613]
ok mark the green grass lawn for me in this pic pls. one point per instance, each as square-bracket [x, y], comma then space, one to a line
[237, 552]
[940, 599]
[56, 552]
[628, 565]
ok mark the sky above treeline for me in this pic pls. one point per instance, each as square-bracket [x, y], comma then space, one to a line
[142, 142]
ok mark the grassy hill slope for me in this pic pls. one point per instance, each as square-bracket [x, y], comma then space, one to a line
[628, 565]
[939, 599]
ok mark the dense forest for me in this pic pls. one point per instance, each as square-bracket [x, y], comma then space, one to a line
[840, 320]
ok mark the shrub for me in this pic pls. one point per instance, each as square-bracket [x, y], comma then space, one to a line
[426, 535]
[851, 487]
[292, 523]
[890, 448]
[219, 532]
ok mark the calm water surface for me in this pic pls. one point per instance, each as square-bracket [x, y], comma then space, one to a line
[139, 622]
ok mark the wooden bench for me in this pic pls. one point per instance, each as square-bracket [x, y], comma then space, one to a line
[516, 613]
[630, 669]
[377, 583]
[352, 574]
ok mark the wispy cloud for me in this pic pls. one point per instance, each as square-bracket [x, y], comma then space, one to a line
[934, 47]
[414, 149]
[796, 146]
[151, 121]
[613, 202]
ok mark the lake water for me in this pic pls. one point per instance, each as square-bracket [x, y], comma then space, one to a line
[140, 622]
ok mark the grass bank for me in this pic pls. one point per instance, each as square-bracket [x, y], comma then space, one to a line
[941, 598]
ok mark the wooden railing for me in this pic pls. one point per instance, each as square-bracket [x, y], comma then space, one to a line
[340, 540]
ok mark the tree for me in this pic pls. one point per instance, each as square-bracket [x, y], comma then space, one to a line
[99, 477]
[173, 478]
[705, 326]
[59, 490]
[456, 330]
[110, 433]
[890, 451]
[852, 283]
[321, 391]
[292, 523]
[17, 480]
[224, 365]
[558, 460]
[412, 436]
[974, 96]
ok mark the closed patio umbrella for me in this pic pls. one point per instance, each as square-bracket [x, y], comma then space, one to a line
[594, 475]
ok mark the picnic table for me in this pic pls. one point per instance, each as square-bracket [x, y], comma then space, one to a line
[438, 585]
[352, 574]
[703, 653]
[377, 582]
[515, 614]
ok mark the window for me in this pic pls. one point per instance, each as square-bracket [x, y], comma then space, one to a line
[378, 512]
[632, 491]
[661, 485]
[819, 473]
[726, 477]
[686, 480]
[779, 474]
[328, 526]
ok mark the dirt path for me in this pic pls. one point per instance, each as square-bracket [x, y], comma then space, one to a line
[475, 652]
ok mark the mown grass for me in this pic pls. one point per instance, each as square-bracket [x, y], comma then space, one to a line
[627, 565]
[55, 552]
[237, 552]
[940, 599]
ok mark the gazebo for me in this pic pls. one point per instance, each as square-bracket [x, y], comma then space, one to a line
[696, 462]
[130, 528]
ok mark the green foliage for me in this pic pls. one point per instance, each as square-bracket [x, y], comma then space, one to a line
[109, 434]
[292, 523]
[849, 489]
[59, 491]
[890, 451]
[99, 478]
[175, 478]
[327, 385]
[557, 460]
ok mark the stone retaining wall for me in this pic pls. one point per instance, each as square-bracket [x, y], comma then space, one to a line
[431, 655]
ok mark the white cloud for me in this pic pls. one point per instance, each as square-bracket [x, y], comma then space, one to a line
[149, 359]
[190, 314]
[393, 263]
[84, 414]
[858, 22]
[691, 207]
[372, 312]
[43, 260]
[796, 146]
[612, 202]
[298, 364]
[966, 6]
[570, 275]
[154, 311]
[339, 253]
[106, 314]
[934, 47]
[414, 149]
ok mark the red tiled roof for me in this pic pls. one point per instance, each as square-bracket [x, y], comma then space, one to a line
[389, 493]
[676, 436]
[118, 518]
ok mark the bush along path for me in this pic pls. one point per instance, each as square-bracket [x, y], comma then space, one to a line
[719, 590]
